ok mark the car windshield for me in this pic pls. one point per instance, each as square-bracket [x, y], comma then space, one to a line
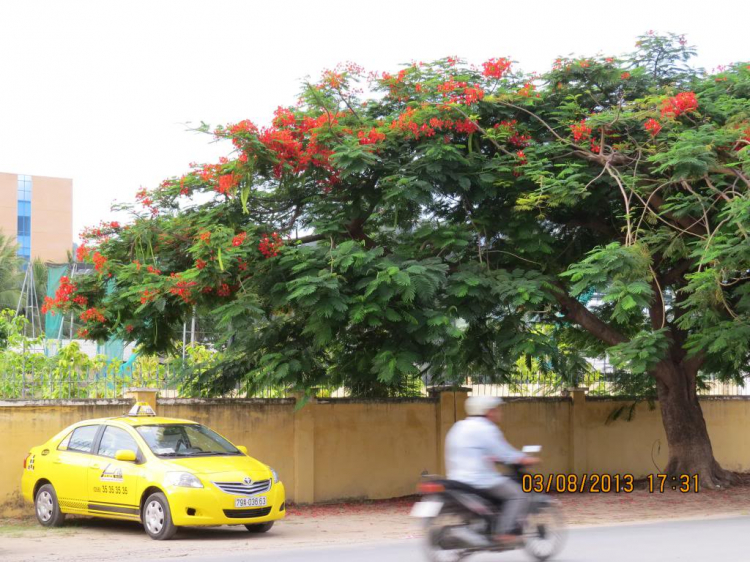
[185, 440]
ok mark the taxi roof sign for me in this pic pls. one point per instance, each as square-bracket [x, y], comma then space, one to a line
[141, 409]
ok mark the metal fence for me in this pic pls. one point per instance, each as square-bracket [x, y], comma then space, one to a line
[172, 380]
[59, 383]
[596, 384]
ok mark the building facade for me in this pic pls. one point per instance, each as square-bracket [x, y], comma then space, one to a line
[38, 212]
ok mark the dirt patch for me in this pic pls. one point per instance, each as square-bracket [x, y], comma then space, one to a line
[87, 539]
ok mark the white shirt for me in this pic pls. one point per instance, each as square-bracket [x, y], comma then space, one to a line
[472, 448]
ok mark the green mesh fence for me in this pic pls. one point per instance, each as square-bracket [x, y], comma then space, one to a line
[53, 322]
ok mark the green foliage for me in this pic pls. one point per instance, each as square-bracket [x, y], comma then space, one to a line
[421, 226]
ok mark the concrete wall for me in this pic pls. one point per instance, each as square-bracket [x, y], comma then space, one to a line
[334, 448]
[51, 215]
[51, 218]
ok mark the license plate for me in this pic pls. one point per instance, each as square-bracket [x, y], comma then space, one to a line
[250, 502]
[426, 509]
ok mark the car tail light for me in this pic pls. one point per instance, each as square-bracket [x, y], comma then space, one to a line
[430, 488]
[26, 460]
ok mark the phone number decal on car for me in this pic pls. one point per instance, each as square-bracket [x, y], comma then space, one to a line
[106, 489]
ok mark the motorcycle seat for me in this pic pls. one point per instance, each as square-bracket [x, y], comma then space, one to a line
[467, 488]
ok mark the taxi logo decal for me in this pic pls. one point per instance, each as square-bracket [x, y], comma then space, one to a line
[111, 474]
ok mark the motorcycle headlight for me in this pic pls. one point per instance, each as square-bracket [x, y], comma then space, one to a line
[183, 480]
[275, 475]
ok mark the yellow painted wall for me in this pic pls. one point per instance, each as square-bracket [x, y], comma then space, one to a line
[335, 449]
[26, 426]
[373, 450]
[545, 423]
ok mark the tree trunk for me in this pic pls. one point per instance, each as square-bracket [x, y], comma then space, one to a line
[690, 450]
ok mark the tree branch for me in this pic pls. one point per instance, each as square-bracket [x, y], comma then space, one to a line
[582, 316]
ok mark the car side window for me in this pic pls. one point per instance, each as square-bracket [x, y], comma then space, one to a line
[82, 438]
[115, 439]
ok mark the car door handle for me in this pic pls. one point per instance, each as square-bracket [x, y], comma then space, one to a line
[94, 467]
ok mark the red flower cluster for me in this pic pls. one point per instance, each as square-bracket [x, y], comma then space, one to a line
[521, 161]
[129, 328]
[461, 92]
[152, 269]
[684, 102]
[243, 127]
[514, 138]
[92, 314]
[81, 300]
[148, 296]
[580, 131]
[205, 236]
[200, 264]
[495, 68]
[143, 197]
[527, 89]
[239, 239]
[292, 152]
[406, 123]
[227, 183]
[63, 296]
[183, 289]
[373, 136]
[224, 290]
[624, 75]
[292, 141]
[100, 262]
[270, 247]
[652, 126]
[82, 252]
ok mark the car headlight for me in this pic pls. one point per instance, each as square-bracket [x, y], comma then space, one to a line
[275, 475]
[182, 479]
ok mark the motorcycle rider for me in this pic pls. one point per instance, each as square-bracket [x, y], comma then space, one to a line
[472, 448]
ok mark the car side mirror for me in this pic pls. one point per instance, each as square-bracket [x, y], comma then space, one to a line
[125, 455]
[242, 449]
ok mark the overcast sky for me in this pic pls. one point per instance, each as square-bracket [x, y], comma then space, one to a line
[102, 91]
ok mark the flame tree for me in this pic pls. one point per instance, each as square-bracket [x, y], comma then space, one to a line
[443, 217]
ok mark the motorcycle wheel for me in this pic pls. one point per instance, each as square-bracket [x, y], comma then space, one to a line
[437, 539]
[544, 532]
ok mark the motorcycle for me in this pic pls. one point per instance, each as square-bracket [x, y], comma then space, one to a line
[461, 520]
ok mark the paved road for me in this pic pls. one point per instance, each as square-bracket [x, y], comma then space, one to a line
[724, 540]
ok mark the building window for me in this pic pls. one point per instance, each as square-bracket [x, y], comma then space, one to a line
[23, 235]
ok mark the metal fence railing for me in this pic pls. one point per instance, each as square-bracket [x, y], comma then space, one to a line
[61, 383]
[173, 380]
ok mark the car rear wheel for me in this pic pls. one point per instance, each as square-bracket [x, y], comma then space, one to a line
[259, 527]
[47, 507]
[157, 518]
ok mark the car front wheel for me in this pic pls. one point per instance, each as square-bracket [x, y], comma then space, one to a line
[47, 507]
[259, 527]
[157, 519]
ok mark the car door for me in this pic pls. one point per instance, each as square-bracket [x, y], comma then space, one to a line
[70, 468]
[113, 486]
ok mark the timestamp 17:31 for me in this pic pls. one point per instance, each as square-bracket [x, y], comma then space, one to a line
[685, 483]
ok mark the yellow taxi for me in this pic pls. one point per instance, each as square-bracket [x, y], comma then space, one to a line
[163, 472]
